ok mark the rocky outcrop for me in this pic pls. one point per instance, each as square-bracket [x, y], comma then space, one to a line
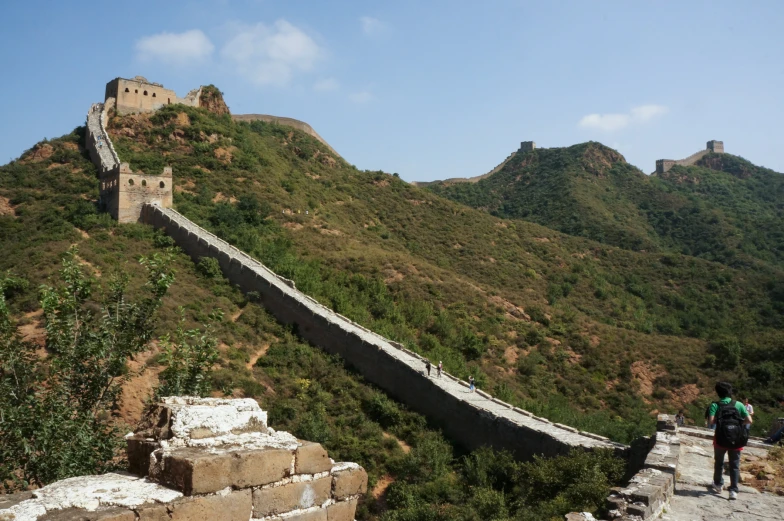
[204, 459]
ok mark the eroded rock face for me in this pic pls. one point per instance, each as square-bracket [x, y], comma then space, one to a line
[205, 459]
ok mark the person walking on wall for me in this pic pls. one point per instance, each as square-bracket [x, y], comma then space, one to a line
[780, 433]
[471, 386]
[750, 410]
[680, 419]
[427, 366]
[440, 368]
[729, 417]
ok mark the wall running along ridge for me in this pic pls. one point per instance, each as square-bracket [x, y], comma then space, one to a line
[471, 419]
[664, 165]
[122, 191]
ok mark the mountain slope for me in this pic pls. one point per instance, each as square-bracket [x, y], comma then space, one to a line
[539, 317]
[589, 190]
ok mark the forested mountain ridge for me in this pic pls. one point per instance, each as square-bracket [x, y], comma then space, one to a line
[723, 208]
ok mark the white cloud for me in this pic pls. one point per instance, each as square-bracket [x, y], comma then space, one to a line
[361, 97]
[612, 122]
[271, 55]
[606, 122]
[326, 84]
[175, 48]
[645, 113]
[371, 25]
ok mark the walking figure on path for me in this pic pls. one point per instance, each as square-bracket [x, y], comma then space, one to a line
[440, 368]
[427, 366]
[471, 386]
[729, 417]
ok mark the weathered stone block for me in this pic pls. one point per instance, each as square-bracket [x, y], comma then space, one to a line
[292, 496]
[313, 515]
[665, 422]
[194, 471]
[235, 506]
[78, 514]
[342, 510]
[349, 482]
[311, 459]
[139, 450]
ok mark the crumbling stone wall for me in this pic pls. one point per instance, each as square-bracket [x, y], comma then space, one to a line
[471, 419]
[204, 459]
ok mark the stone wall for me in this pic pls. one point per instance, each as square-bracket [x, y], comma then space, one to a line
[471, 419]
[527, 146]
[649, 490]
[122, 191]
[204, 459]
[139, 95]
[664, 165]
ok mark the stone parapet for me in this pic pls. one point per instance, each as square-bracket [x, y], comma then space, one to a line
[204, 459]
[649, 490]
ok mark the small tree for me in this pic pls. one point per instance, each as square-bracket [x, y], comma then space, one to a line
[189, 356]
[56, 408]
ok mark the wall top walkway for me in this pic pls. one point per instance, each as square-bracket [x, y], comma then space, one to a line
[448, 383]
[96, 127]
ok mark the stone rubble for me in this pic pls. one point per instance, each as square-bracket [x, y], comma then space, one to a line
[205, 459]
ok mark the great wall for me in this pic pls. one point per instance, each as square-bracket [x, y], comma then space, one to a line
[193, 484]
[664, 165]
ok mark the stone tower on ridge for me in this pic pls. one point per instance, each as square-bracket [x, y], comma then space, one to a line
[527, 146]
[664, 165]
[124, 192]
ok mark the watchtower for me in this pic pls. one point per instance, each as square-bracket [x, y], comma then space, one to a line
[124, 192]
[716, 146]
[140, 95]
[527, 146]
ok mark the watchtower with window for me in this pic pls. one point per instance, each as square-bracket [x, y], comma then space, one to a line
[124, 192]
[139, 95]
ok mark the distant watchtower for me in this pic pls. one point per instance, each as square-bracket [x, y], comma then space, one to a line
[527, 146]
[664, 165]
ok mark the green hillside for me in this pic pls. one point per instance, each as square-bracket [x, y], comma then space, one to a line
[723, 209]
[546, 320]
[582, 332]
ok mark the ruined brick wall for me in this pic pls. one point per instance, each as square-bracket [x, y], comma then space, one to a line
[139, 95]
[204, 459]
[471, 419]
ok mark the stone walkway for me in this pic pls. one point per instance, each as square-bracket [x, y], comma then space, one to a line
[693, 501]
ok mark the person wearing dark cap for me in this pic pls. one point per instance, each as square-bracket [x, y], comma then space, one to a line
[780, 433]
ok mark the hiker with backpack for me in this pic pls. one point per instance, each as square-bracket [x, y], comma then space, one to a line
[729, 418]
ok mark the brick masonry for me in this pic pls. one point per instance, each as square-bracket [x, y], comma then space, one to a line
[205, 459]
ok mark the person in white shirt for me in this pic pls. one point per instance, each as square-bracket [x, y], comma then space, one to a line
[750, 410]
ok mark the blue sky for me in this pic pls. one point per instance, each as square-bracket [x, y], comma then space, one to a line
[430, 90]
